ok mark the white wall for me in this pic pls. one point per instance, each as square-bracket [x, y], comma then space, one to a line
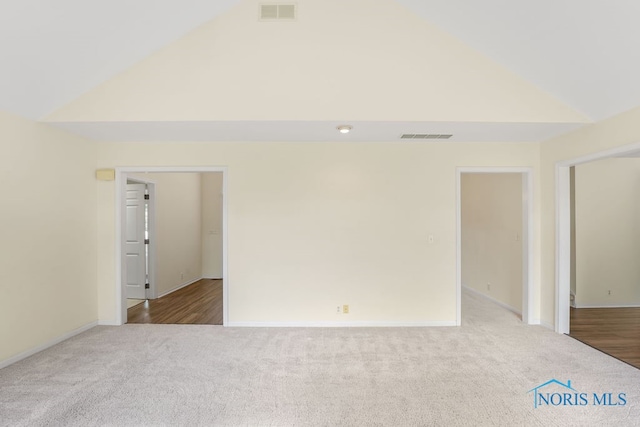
[48, 234]
[608, 233]
[212, 75]
[492, 230]
[312, 226]
[211, 225]
[356, 60]
[178, 229]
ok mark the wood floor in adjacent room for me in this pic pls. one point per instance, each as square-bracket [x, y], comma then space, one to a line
[199, 304]
[615, 331]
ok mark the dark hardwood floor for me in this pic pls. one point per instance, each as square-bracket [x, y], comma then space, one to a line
[199, 303]
[615, 331]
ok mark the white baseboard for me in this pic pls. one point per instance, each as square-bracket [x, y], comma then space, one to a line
[538, 322]
[547, 325]
[108, 323]
[51, 343]
[352, 324]
[493, 300]
[183, 285]
[609, 306]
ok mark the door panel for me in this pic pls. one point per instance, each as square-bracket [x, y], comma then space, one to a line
[135, 246]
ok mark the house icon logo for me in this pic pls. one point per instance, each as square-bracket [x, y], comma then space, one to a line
[547, 398]
[557, 393]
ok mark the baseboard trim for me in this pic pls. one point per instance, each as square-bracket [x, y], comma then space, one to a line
[609, 306]
[352, 324]
[177, 288]
[46, 345]
[108, 323]
[493, 300]
[547, 325]
[213, 278]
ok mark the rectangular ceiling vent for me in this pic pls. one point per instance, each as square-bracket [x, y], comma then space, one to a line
[425, 136]
[277, 12]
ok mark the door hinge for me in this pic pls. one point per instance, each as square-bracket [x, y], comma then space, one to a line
[146, 286]
[146, 197]
[146, 241]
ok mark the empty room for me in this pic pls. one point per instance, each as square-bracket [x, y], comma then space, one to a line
[356, 282]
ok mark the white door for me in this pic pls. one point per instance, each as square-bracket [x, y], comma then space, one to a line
[135, 264]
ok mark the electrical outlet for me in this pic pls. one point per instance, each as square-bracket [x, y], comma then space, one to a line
[345, 309]
[609, 292]
[338, 310]
[488, 286]
[181, 276]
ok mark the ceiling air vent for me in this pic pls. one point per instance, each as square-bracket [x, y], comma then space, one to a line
[425, 136]
[277, 12]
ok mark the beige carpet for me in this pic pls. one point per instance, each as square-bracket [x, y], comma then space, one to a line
[475, 375]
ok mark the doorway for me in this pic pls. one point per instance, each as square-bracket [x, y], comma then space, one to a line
[187, 266]
[600, 276]
[564, 251]
[604, 247]
[519, 235]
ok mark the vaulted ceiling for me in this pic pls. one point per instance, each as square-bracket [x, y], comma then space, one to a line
[581, 52]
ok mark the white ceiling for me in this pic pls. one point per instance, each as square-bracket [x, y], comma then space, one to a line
[584, 52]
[54, 51]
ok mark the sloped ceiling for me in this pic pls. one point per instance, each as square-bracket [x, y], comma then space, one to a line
[585, 52]
[53, 51]
[582, 52]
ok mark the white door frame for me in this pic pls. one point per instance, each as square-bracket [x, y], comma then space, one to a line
[120, 183]
[529, 287]
[152, 292]
[563, 228]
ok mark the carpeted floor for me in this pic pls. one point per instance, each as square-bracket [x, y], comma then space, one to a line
[475, 375]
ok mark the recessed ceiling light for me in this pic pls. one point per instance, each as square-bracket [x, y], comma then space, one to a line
[344, 128]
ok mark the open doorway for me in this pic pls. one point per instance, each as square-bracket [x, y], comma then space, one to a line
[188, 226]
[605, 247]
[564, 212]
[190, 244]
[494, 245]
